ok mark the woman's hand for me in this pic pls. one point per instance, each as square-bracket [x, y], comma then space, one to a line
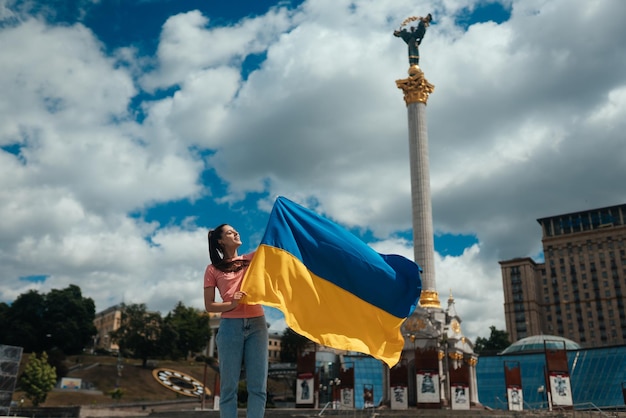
[237, 297]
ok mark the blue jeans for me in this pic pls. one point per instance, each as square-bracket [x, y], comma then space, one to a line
[242, 340]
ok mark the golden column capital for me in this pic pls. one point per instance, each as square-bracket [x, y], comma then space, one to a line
[416, 88]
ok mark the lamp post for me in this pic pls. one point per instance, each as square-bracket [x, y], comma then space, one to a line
[120, 367]
[322, 391]
[334, 385]
[541, 389]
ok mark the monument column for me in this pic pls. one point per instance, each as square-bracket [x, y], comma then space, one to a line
[416, 91]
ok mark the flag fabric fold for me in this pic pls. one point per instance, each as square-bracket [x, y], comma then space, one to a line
[332, 287]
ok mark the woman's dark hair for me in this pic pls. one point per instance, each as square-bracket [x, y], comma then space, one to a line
[216, 252]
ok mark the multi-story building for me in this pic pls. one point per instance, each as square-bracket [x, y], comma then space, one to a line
[275, 341]
[106, 322]
[578, 292]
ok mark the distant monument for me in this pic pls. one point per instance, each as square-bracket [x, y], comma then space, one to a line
[416, 92]
[414, 36]
[435, 351]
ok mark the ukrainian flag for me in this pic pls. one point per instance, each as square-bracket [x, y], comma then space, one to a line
[332, 287]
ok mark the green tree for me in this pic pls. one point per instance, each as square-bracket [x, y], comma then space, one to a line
[69, 319]
[498, 340]
[142, 334]
[192, 330]
[290, 345]
[5, 325]
[4, 311]
[24, 323]
[38, 378]
[61, 320]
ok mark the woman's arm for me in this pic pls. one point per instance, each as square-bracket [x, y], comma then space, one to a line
[212, 306]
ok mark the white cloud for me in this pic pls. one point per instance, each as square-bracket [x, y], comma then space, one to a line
[189, 44]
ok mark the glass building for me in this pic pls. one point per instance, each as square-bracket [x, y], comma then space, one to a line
[596, 374]
[368, 373]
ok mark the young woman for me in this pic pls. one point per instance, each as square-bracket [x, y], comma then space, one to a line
[242, 336]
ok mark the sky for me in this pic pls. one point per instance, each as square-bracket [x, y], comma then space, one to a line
[128, 128]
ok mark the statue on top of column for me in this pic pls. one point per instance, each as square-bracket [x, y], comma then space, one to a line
[414, 36]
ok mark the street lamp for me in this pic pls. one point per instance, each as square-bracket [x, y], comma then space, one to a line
[334, 386]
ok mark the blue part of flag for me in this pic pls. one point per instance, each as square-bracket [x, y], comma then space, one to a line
[389, 282]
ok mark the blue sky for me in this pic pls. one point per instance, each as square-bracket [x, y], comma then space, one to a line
[130, 127]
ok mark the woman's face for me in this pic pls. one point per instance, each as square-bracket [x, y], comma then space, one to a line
[230, 237]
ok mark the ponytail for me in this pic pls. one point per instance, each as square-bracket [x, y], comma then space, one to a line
[216, 252]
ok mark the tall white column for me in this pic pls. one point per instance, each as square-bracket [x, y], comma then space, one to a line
[423, 243]
[416, 91]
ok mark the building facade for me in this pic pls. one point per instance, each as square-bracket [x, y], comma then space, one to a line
[275, 341]
[106, 322]
[578, 291]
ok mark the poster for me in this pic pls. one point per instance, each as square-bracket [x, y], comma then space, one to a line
[368, 396]
[428, 387]
[347, 398]
[560, 389]
[515, 398]
[399, 397]
[70, 383]
[460, 396]
[304, 391]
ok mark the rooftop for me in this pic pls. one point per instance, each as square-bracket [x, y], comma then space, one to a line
[536, 343]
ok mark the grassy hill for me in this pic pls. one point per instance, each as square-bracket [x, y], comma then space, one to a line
[136, 382]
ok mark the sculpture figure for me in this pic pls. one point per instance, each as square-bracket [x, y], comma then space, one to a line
[414, 36]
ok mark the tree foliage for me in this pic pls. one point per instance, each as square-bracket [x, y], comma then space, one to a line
[498, 340]
[70, 319]
[145, 334]
[291, 344]
[62, 323]
[38, 378]
[192, 330]
[23, 324]
[60, 320]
